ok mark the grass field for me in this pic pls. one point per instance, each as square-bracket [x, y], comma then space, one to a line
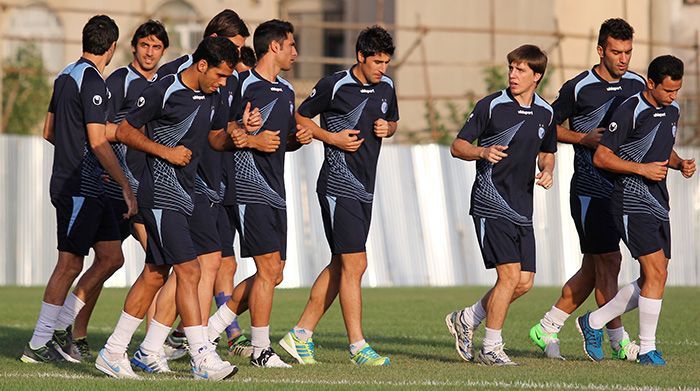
[405, 323]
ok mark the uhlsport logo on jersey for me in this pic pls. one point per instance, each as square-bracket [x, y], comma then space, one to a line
[540, 132]
[385, 106]
[97, 100]
[612, 127]
[141, 101]
[313, 92]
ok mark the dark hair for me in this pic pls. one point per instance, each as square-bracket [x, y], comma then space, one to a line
[615, 28]
[532, 55]
[154, 28]
[664, 66]
[99, 33]
[247, 56]
[228, 24]
[215, 50]
[272, 30]
[374, 40]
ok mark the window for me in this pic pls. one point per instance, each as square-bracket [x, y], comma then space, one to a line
[36, 24]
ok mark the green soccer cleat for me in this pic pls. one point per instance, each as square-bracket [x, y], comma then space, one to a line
[629, 350]
[44, 354]
[84, 349]
[240, 346]
[549, 343]
[367, 356]
[303, 351]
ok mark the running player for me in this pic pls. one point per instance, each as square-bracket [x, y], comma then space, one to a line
[75, 125]
[358, 109]
[638, 146]
[515, 128]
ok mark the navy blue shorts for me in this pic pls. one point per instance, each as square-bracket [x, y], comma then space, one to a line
[346, 222]
[203, 225]
[119, 207]
[644, 234]
[82, 222]
[503, 242]
[169, 239]
[226, 231]
[595, 225]
[263, 229]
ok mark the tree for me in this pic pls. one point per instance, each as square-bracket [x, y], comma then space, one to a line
[26, 92]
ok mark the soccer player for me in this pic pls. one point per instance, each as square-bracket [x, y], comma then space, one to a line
[261, 218]
[358, 109]
[75, 125]
[180, 115]
[587, 101]
[515, 128]
[638, 147]
[125, 85]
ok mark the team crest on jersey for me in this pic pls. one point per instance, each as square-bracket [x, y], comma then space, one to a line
[385, 106]
[230, 99]
[540, 132]
[612, 127]
[97, 100]
[141, 101]
[313, 92]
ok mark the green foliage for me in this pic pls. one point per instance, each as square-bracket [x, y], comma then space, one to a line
[26, 92]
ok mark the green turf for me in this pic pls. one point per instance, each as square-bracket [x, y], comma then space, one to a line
[406, 324]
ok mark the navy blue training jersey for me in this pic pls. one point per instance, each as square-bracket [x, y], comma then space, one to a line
[504, 189]
[588, 101]
[125, 85]
[174, 115]
[79, 98]
[260, 175]
[345, 103]
[227, 191]
[175, 66]
[642, 133]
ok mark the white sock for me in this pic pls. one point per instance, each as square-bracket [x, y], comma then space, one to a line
[302, 333]
[155, 337]
[69, 311]
[616, 336]
[356, 346]
[43, 331]
[197, 342]
[218, 322]
[649, 311]
[492, 339]
[474, 315]
[553, 320]
[120, 338]
[625, 300]
[260, 339]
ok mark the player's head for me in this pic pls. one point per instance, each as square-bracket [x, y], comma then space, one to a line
[615, 46]
[276, 38]
[100, 36]
[526, 66]
[373, 51]
[214, 60]
[246, 59]
[228, 24]
[148, 44]
[665, 78]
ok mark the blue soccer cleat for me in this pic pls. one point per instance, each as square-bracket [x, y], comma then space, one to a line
[592, 338]
[651, 358]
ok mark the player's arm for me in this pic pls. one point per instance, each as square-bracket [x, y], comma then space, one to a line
[464, 148]
[606, 159]
[384, 128]
[545, 162]
[685, 166]
[49, 127]
[346, 139]
[220, 140]
[133, 138]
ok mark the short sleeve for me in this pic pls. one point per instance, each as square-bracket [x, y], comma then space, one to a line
[52, 102]
[564, 103]
[392, 113]
[549, 141]
[115, 86]
[236, 108]
[221, 112]
[148, 107]
[318, 100]
[620, 126]
[476, 122]
[93, 95]
[229, 97]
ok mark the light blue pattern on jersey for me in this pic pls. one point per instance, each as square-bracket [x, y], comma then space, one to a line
[501, 99]
[590, 182]
[347, 79]
[543, 103]
[91, 171]
[589, 79]
[487, 201]
[112, 188]
[77, 72]
[200, 187]
[341, 181]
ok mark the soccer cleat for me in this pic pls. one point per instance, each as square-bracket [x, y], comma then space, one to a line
[368, 357]
[84, 349]
[120, 369]
[211, 367]
[651, 358]
[629, 350]
[496, 357]
[240, 346]
[549, 343]
[592, 338]
[175, 347]
[302, 351]
[44, 354]
[268, 359]
[63, 340]
[463, 333]
[150, 363]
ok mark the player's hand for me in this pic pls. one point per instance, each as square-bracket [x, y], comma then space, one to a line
[687, 167]
[654, 171]
[131, 204]
[381, 128]
[592, 138]
[179, 155]
[239, 138]
[252, 119]
[545, 179]
[347, 140]
[265, 141]
[304, 135]
[494, 153]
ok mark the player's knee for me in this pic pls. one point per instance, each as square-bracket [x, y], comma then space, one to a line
[69, 271]
[280, 277]
[112, 262]
[188, 273]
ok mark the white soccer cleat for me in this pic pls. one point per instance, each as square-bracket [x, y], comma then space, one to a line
[120, 369]
[150, 363]
[269, 359]
[211, 367]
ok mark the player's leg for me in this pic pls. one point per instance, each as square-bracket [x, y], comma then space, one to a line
[237, 342]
